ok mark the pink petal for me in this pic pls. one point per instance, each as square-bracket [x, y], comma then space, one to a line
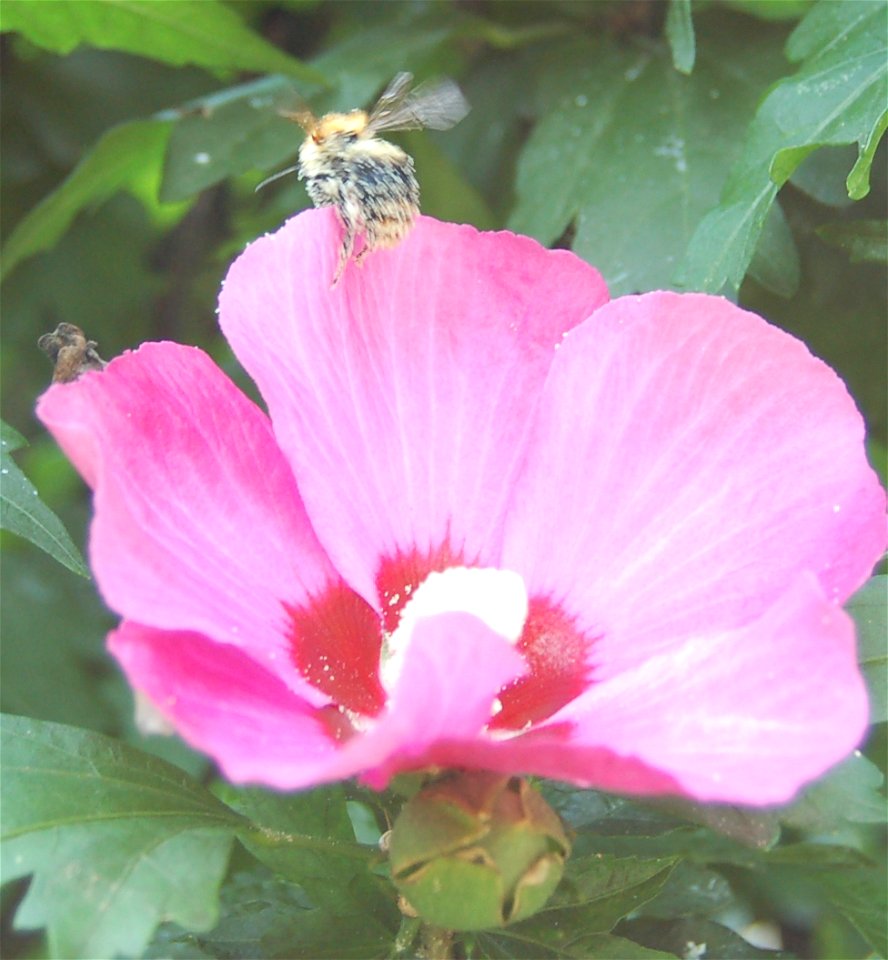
[403, 396]
[688, 461]
[259, 731]
[453, 670]
[746, 716]
[225, 704]
[550, 751]
[198, 523]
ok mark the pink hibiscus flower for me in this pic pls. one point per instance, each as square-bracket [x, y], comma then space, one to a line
[491, 521]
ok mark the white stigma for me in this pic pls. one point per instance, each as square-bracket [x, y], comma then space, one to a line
[498, 598]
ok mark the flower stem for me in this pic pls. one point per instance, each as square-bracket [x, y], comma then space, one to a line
[437, 943]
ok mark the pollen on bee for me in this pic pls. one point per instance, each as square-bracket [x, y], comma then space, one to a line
[343, 124]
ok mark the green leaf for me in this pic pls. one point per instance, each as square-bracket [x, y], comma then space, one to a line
[850, 793]
[877, 454]
[680, 34]
[324, 934]
[605, 946]
[54, 626]
[750, 826]
[622, 131]
[308, 838]
[202, 32]
[696, 938]
[229, 134]
[846, 880]
[594, 895]
[263, 916]
[668, 837]
[864, 240]
[772, 9]
[581, 808]
[869, 608]
[859, 177]
[173, 943]
[129, 155]
[592, 946]
[817, 857]
[835, 35]
[822, 175]
[402, 36]
[658, 827]
[860, 896]
[612, 882]
[690, 891]
[445, 193]
[117, 840]
[484, 145]
[23, 513]
[775, 264]
[240, 130]
[837, 97]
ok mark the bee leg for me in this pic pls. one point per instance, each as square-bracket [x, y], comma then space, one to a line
[374, 238]
[349, 214]
[345, 252]
[369, 246]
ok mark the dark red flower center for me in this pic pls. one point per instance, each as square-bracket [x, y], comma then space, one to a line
[400, 576]
[337, 641]
[336, 644]
[557, 656]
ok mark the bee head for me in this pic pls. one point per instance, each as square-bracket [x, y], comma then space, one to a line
[346, 125]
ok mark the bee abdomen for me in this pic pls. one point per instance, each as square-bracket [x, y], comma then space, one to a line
[395, 179]
[388, 197]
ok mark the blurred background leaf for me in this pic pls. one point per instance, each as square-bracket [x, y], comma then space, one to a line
[838, 96]
[619, 126]
[202, 32]
[869, 607]
[698, 938]
[22, 511]
[864, 240]
[122, 157]
[680, 34]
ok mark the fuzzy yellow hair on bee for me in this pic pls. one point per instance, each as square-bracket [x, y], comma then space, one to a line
[370, 181]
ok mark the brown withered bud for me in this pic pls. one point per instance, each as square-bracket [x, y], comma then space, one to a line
[71, 353]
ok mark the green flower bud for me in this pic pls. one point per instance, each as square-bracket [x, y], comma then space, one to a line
[474, 850]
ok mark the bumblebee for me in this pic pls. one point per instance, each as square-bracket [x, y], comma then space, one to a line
[370, 181]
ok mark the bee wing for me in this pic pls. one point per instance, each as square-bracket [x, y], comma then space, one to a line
[291, 105]
[303, 116]
[393, 95]
[437, 105]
